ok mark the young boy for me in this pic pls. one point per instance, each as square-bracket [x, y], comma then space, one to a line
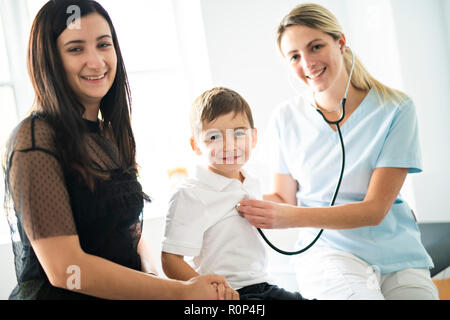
[202, 220]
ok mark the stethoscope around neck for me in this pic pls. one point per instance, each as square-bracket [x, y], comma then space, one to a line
[343, 101]
[336, 123]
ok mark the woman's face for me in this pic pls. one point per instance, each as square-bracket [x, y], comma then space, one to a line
[89, 58]
[314, 56]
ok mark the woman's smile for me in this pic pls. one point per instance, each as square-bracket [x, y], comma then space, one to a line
[316, 75]
[94, 78]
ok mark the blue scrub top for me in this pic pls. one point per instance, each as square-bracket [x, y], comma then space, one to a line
[375, 135]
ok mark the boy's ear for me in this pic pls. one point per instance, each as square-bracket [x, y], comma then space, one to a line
[254, 137]
[195, 147]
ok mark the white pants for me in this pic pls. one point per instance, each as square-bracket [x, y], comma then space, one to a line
[328, 274]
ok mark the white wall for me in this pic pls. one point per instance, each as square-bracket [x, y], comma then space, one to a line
[424, 43]
[404, 43]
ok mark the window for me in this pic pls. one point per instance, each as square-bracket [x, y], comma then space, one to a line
[4, 68]
[8, 113]
[8, 104]
[160, 108]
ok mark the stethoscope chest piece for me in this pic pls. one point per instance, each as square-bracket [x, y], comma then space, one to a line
[336, 191]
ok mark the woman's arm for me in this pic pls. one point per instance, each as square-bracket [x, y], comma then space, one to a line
[68, 267]
[384, 186]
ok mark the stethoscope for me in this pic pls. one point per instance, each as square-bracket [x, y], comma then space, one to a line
[336, 123]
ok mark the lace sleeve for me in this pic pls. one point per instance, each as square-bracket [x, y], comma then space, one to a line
[36, 183]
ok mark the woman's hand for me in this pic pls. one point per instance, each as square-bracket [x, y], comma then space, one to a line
[265, 214]
[225, 291]
[209, 287]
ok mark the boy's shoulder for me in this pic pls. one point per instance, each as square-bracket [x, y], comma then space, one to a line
[190, 183]
[188, 189]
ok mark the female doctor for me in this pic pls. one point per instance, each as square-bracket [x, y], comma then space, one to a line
[371, 247]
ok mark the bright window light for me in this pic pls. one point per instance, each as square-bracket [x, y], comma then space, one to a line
[7, 120]
[160, 108]
[4, 68]
[8, 111]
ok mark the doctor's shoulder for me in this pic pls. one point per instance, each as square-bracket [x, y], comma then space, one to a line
[393, 98]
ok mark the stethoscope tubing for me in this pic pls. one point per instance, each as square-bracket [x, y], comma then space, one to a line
[336, 191]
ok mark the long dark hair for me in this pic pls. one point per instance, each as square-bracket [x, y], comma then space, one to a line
[55, 100]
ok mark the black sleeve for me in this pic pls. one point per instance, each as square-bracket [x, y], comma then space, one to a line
[36, 183]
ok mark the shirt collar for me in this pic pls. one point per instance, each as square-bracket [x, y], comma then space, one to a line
[216, 181]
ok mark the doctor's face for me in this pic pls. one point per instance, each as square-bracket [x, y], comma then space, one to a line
[314, 56]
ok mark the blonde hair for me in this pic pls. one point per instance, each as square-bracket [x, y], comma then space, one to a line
[317, 17]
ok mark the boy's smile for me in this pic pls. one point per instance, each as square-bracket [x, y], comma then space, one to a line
[225, 144]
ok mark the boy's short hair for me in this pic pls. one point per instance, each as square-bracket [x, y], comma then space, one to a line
[214, 103]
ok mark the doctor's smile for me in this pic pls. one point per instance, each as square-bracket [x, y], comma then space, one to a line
[316, 75]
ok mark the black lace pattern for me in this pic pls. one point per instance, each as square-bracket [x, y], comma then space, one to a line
[47, 202]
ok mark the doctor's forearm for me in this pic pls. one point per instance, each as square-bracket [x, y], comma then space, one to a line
[348, 216]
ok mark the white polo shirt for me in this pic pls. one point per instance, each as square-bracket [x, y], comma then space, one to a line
[202, 222]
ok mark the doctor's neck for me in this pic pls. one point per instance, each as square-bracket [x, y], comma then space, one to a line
[330, 99]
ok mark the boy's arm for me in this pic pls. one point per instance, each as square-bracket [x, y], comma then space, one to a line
[175, 267]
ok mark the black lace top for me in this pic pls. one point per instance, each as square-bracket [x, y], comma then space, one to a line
[48, 202]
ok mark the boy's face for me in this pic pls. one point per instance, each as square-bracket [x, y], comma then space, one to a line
[226, 143]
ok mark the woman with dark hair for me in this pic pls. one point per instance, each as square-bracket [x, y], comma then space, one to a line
[73, 201]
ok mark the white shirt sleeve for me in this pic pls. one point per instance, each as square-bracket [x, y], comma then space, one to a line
[186, 222]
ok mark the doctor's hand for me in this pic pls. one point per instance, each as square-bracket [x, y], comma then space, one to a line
[265, 214]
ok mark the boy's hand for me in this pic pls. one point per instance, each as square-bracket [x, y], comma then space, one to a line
[204, 287]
